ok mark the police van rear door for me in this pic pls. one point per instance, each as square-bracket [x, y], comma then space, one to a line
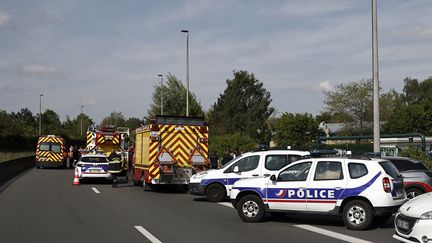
[326, 184]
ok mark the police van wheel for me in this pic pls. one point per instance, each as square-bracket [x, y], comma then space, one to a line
[250, 208]
[357, 215]
[215, 193]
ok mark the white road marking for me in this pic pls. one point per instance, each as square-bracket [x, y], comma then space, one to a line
[226, 204]
[147, 234]
[332, 234]
[95, 190]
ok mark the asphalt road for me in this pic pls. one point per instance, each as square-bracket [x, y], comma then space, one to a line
[43, 206]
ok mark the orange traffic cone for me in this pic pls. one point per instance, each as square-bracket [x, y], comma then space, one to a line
[76, 179]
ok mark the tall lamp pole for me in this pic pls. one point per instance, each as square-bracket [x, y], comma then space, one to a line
[376, 120]
[162, 94]
[81, 115]
[187, 71]
[40, 114]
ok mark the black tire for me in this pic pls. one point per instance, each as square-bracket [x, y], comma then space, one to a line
[251, 209]
[413, 192]
[215, 193]
[357, 215]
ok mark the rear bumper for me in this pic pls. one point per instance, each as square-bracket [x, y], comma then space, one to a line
[50, 164]
[96, 175]
[196, 189]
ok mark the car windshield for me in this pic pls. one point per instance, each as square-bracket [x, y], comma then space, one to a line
[229, 163]
[390, 169]
[94, 159]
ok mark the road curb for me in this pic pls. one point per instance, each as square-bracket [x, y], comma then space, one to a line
[10, 170]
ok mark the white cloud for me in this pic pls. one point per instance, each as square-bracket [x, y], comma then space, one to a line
[4, 18]
[39, 71]
[323, 86]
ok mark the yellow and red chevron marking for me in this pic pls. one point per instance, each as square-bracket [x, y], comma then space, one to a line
[48, 156]
[116, 139]
[182, 141]
[89, 137]
[50, 139]
[101, 139]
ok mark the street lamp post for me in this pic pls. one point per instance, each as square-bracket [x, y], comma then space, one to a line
[376, 119]
[81, 115]
[40, 114]
[187, 71]
[162, 94]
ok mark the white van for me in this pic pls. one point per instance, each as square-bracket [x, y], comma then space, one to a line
[216, 184]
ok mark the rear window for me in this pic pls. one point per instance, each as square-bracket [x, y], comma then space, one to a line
[44, 147]
[404, 165]
[390, 169]
[55, 147]
[94, 159]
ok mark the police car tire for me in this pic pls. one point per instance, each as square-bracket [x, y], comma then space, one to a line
[413, 192]
[215, 193]
[257, 209]
[365, 215]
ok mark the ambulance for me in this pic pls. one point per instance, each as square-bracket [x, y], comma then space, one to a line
[50, 151]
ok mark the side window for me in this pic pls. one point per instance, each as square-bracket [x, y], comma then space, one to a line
[275, 162]
[293, 158]
[328, 170]
[298, 172]
[357, 170]
[246, 164]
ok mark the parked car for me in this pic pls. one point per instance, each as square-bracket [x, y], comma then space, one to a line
[93, 166]
[413, 223]
[417, 178]
[360, 191]
[216, 184]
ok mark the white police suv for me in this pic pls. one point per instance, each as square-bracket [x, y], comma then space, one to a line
[358, 190]
[217, 184]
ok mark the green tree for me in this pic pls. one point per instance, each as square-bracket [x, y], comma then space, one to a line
[72, 128]
[174, 99]
[26, 121]
[132, 123]
[352, 104]
[243, 108]
[51, 123]
[296, 130]
[7, 125]
[115, 118]
[231, 143]
[414, 114]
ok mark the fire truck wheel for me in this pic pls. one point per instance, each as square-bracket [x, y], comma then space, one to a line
[215, 193]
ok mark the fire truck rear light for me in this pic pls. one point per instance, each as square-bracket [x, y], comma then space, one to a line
[386, 184]
[203, 140]
[154, 138]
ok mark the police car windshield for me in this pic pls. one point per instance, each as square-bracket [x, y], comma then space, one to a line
[230, 162]
[94, 159]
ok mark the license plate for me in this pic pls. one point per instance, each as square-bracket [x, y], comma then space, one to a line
[402, 224]
[94, 170]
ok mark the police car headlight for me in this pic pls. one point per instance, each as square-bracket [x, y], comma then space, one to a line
[199, 175]
[427, 215]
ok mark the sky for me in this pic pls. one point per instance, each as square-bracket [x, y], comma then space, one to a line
[107, 54]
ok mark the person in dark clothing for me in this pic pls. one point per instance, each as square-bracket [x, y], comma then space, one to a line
[114, 155]
[213, 161]
[226, 158]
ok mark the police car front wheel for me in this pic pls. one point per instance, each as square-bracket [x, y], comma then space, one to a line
[357, 215]
[250, 208]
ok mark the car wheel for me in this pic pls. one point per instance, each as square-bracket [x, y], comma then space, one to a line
[250, 208]
[357, 215]
[215, 193]
[413, 192]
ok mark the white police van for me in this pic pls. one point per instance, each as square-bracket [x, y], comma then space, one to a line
[216, 184]
[358, 190]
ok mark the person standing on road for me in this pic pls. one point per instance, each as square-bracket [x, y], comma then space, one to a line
[71, 155]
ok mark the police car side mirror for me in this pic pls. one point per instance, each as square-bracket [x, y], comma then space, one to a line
[236, 169]
[273, 177]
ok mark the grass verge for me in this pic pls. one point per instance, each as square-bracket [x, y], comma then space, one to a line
[6, 156]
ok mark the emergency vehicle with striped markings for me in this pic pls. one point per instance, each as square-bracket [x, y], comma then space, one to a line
[360, 191]
[50, 151]
[108, 139]
[170, 150]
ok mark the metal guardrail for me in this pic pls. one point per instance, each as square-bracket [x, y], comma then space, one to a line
[12, 168]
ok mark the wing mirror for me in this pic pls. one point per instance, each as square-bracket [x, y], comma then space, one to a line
[236, 169]
[273, 178]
